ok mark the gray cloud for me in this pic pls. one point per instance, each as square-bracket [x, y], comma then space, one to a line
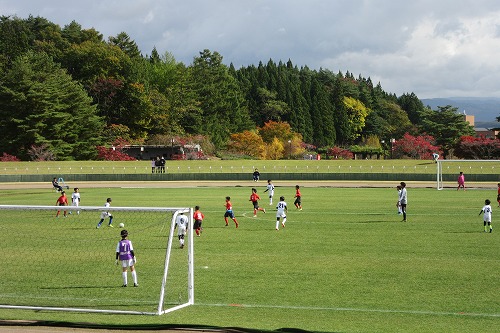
[435, 49]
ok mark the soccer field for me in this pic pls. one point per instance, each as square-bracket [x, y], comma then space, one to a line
[345, 263]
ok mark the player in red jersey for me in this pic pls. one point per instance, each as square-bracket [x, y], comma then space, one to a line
[498, 195]
[62, 201]
[198, 219]
[254, 198]
[298, 198]
[229, 212]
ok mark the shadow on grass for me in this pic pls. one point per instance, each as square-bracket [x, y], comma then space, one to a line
[151, 327]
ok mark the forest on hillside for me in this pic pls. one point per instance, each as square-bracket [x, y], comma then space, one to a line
[66, 91]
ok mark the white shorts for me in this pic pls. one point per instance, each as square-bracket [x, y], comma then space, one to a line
[105, 214]
[127, 263]
[280, 214]
[181, 231]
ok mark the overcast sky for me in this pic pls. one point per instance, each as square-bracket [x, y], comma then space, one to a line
[434, 48]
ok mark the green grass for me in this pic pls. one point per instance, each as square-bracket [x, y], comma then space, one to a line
[344, 264]
[234, 166]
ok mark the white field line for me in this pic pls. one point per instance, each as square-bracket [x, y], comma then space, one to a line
[313, 308]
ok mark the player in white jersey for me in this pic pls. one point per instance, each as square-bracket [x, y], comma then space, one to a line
[403, 199]
[75, 198]
[486, 211]
[181, 222]
[281, 213]
[105, 215]
[270, 189]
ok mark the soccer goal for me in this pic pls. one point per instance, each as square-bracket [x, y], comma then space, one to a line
[67, 264]
[448, 170]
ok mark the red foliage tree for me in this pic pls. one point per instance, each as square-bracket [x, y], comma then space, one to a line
[416, 147]
[9, 158]
[114, 153]
[480, 148]
[338, 153]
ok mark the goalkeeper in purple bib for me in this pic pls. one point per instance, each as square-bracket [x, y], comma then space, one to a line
[125, 255]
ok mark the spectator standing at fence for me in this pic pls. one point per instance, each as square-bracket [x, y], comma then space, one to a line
[461, 181]
[270, 189]
[403, 199]
[153, 165]
[162, 164]
[126, 256]
[486, 211]
[157, 164]
[62, 201]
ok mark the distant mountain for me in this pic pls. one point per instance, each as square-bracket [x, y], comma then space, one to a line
[484, 109]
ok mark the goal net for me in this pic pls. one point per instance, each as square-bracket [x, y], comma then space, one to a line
[67, 264]
[448, 170]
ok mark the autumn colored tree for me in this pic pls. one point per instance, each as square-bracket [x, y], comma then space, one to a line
[480, 148]
[416, 147]
[275, 150]
[338, 153]
[247, 143]
[8, 158]
[276, 129]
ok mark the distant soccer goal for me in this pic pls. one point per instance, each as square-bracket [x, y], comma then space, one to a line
[67, 264]
[451, 168]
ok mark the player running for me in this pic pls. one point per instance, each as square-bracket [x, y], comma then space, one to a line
[229, 212]
[281, 213]
[254, 198]
[105, 215]
[270, 189]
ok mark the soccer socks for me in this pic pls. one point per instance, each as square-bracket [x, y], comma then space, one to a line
[110, 220]
[134, 277]
[100, 223]
[124, 276]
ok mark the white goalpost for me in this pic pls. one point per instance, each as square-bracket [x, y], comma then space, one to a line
[62, 262]
[466, 166]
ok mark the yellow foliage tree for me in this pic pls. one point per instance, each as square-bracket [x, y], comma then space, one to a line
[274, 150]
[248, 143]
[357, 113]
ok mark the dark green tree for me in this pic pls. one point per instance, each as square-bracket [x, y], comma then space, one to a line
[220, 97]
[446, 126]
[40, 104]
[413, 106]
[126, 44]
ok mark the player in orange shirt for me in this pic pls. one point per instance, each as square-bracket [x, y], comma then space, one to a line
[229, 212]
[198, 219]
[254, 198]
[62, 201]
[298, 198]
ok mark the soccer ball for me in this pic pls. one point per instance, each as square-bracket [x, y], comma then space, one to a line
[121, 225]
